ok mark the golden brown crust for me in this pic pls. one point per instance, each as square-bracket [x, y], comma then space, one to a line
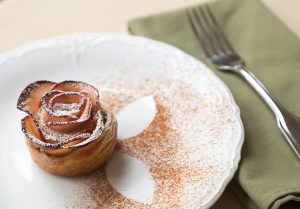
[77, 161]
[67, 131]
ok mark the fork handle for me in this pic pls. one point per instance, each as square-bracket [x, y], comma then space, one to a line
[288, 123]
[261, 89]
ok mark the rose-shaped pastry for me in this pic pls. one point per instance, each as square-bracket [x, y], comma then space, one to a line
[67, 131]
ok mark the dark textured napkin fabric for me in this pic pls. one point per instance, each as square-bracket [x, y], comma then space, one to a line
[269, 172]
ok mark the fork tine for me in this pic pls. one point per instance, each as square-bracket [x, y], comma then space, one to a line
[218, 33]
[202, 21]
[201, 37]
[212, 32]
[209, 30]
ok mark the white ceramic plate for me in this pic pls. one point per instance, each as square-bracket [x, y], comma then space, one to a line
[180, 133]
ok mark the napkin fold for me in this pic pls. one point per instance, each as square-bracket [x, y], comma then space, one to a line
[269, 172]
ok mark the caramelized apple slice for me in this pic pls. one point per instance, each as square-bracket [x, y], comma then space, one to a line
[67, 124]
[32, 130]
[65, 151]
[100, 126]
[65, 111]
[30, 98]
[71, 126]
[75, 86]
[73, 104]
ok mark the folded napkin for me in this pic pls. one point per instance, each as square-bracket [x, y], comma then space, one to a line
[269, 172]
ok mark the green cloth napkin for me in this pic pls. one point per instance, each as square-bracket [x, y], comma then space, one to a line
[269, 172]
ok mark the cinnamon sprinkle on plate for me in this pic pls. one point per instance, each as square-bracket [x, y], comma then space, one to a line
[179, 146]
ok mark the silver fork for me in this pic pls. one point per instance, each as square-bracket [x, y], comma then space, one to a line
[220, 53]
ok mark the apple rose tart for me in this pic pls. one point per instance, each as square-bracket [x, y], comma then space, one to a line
[67, 131]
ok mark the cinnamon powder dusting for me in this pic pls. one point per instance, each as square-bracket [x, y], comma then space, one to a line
[179, 146]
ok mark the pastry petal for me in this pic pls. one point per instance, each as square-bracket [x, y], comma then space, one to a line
[64, 121]
[30, 98]
[75, 86]
[32, 131]
[65, 151]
